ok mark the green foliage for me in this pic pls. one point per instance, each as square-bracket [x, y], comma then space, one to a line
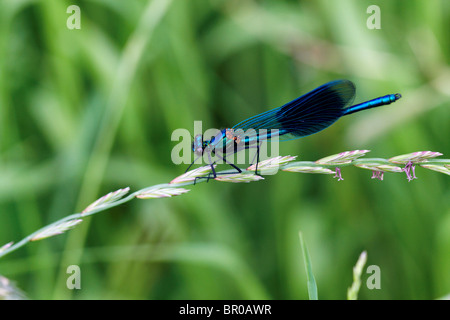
[84, 112]
[352, 292]
[311, 281]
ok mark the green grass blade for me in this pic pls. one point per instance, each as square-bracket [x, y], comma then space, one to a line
[352, 292]
[312, 286]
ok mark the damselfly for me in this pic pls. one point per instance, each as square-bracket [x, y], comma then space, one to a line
[306, 115]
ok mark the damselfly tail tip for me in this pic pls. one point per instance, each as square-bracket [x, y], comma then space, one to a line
[397, 96]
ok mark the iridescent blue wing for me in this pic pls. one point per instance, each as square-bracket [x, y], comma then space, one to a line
[307, 114]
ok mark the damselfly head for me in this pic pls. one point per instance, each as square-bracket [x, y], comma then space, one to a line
[197, 145]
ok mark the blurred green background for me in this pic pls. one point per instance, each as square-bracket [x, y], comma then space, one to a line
[85, 112]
